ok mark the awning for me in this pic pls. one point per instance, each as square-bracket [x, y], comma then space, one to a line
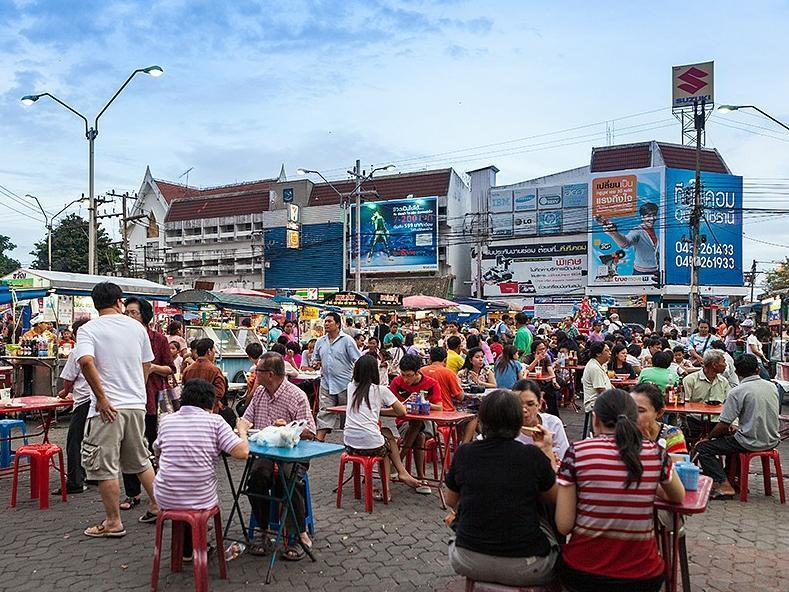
[7, 294]
[483, 306]
[81, 284]
[197, 298]
[300, 302]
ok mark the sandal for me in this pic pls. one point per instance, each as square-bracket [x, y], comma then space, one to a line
[129, 503]
[147, 518]
[100, 532]
[296, 553]
[424, 490]
[378, 495]
[717, 495]
[261, 549]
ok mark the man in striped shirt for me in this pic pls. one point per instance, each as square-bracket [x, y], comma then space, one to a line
[276, 402]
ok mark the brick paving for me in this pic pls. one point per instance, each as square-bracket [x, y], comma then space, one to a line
[733, 547]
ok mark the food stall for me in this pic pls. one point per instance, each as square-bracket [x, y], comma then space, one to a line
[306, 314]
[215, 314]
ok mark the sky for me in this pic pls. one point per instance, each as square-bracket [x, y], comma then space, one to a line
[249, 86]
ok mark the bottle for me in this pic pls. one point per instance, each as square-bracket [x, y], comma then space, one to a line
[561, 360]
[671, 398]
[680, 394]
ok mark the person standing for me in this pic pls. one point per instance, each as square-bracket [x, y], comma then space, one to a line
[162, 367]
[523, 337]
[595, 377]
[205, 369]
[115, 355]
[454, 360]
[754, 404]
[335, 354]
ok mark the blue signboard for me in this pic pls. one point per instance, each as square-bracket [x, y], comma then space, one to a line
[720, 251]
[397, 235]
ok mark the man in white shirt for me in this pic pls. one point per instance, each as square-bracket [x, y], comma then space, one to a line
[595, 378]
[114, 354]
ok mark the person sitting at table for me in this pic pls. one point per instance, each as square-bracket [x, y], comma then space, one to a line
[497, 539]
[609, 549]
[754, 404]
[188, 446]
[680, 364]
[633, 353]
[731, 371]
[619, 363]
[360, 339]
[507, 368]
[650, 403]
[408, 344]
[409, 383]
[539, 358]
[478, 340]
[455, 361]
[277, 402]
[705, 386]
[290, 371]
[475, 372]
[659, 373]
[363, 434]
[448, 382]
[531, 400]
[306, 354]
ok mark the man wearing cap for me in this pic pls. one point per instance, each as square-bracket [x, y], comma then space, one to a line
[39, 329]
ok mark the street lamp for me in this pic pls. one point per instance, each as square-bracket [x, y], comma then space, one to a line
[91, 133]
[730, 108]
[48, 223]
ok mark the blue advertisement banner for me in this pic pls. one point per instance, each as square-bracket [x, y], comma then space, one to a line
[625, 238]
[720, 250]
[397, 235]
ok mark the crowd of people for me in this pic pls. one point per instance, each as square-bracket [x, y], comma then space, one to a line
[524, 372]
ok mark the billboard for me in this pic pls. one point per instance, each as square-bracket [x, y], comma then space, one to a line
[538, 211]
[692, 82]
[624, 242]
[720, 248]
[539, 269]
[397, 235]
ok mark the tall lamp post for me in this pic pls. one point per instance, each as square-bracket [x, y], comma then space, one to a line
[91, 133]
[48, 223]
[730, 108]
[361, 178]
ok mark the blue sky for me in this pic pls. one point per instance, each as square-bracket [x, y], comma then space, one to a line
[249, 86]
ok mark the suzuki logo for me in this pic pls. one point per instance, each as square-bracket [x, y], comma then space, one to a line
[692, 80]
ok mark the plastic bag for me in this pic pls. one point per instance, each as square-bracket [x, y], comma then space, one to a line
[286, 436]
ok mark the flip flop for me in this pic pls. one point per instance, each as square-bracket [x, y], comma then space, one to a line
[100, 532]
[147, 518]
[424, 490]
[129, 503]
[296, 553]
[717, 495]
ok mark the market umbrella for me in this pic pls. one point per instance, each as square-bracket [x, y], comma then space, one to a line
[466, 308]
[420, 301]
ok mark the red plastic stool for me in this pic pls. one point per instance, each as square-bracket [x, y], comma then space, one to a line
[40, 456]
[450, 438]
[368, 463]
[475, 586]
[198, 520]
[431, 456]
[744, 461]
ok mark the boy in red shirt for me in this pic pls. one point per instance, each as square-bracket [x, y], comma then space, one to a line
[410, 383]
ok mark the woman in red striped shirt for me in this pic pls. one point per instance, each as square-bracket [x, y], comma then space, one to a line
[607, 487]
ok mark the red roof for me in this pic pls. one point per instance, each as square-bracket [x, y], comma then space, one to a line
[171, 191]
[617, 158]
[400, 186]
[684, 157]
[219, 202]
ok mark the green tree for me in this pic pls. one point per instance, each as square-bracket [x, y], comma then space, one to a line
[70, 248]
[7, 265]
[778, 278]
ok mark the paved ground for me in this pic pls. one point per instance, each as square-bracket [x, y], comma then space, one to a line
[733, 546]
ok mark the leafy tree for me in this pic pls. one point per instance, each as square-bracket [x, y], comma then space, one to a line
[70, 248]
[7, 265]
[778, 278]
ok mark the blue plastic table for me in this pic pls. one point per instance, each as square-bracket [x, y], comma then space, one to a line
[303, 452]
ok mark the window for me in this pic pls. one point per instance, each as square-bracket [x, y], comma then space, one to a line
[153, 226]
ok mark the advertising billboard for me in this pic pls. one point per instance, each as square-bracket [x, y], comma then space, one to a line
[538, 211]
[397, 235]
[720, 248]
[624, 242]
[528, 270]
[692, 82]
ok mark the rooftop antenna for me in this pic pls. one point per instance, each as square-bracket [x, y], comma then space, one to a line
[186, 183]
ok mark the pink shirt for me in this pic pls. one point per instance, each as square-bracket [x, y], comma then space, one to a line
[190, 442]
[288, 402]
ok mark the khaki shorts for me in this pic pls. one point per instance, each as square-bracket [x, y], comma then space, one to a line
[326, 420]
[112, 448]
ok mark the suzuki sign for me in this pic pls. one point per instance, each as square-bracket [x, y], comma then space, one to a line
[690, 83]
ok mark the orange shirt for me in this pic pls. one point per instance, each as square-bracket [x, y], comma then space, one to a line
[448, 383]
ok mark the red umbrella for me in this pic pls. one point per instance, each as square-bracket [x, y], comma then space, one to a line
[420, 301]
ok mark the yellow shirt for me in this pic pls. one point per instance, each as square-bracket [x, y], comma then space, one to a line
[454, 361]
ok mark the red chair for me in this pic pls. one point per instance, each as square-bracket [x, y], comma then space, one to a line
[744, 461]
[198, 520]
[431, 456]
[40, 456]
[368, 463]
[449, 437]
[474, 586]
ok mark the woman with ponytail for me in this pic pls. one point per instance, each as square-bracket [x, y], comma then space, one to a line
[607, 487]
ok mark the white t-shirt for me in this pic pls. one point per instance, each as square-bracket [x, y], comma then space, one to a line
[754, 344]
[81, 390]
[361, 425]
[119, 346]
[554, 425]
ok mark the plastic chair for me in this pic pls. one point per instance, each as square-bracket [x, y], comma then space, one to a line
[6, 426]
[273, 515]
[431, 456]
[475, 586]
[40, 456]
[368, 463]
[744, 461]
[449, 436]
[198, 520]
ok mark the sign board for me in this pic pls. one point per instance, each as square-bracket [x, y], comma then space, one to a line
[386, 299]
[346, 300]
[626, 227]
[398, 235]
[204, 285]
[287, 195]
[555, 307]
[690, 83]
[294, 215]
[312, 294]
[310, 313]
[538, 210]
[538, 269]
[720, 251]
[293, 238]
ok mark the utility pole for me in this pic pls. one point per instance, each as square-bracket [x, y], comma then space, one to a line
[753, 278]
[358, 275]
[695, 217]
[125, 220]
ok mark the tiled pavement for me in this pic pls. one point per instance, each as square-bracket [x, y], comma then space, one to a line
[733, 547]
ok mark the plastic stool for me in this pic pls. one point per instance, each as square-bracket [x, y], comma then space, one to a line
[6, 425]
[450, 437]
[744, 461]
[431, 456]
[273, 514]
[368, 462]
[475, 586]
[198, 520]
[39, 455]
